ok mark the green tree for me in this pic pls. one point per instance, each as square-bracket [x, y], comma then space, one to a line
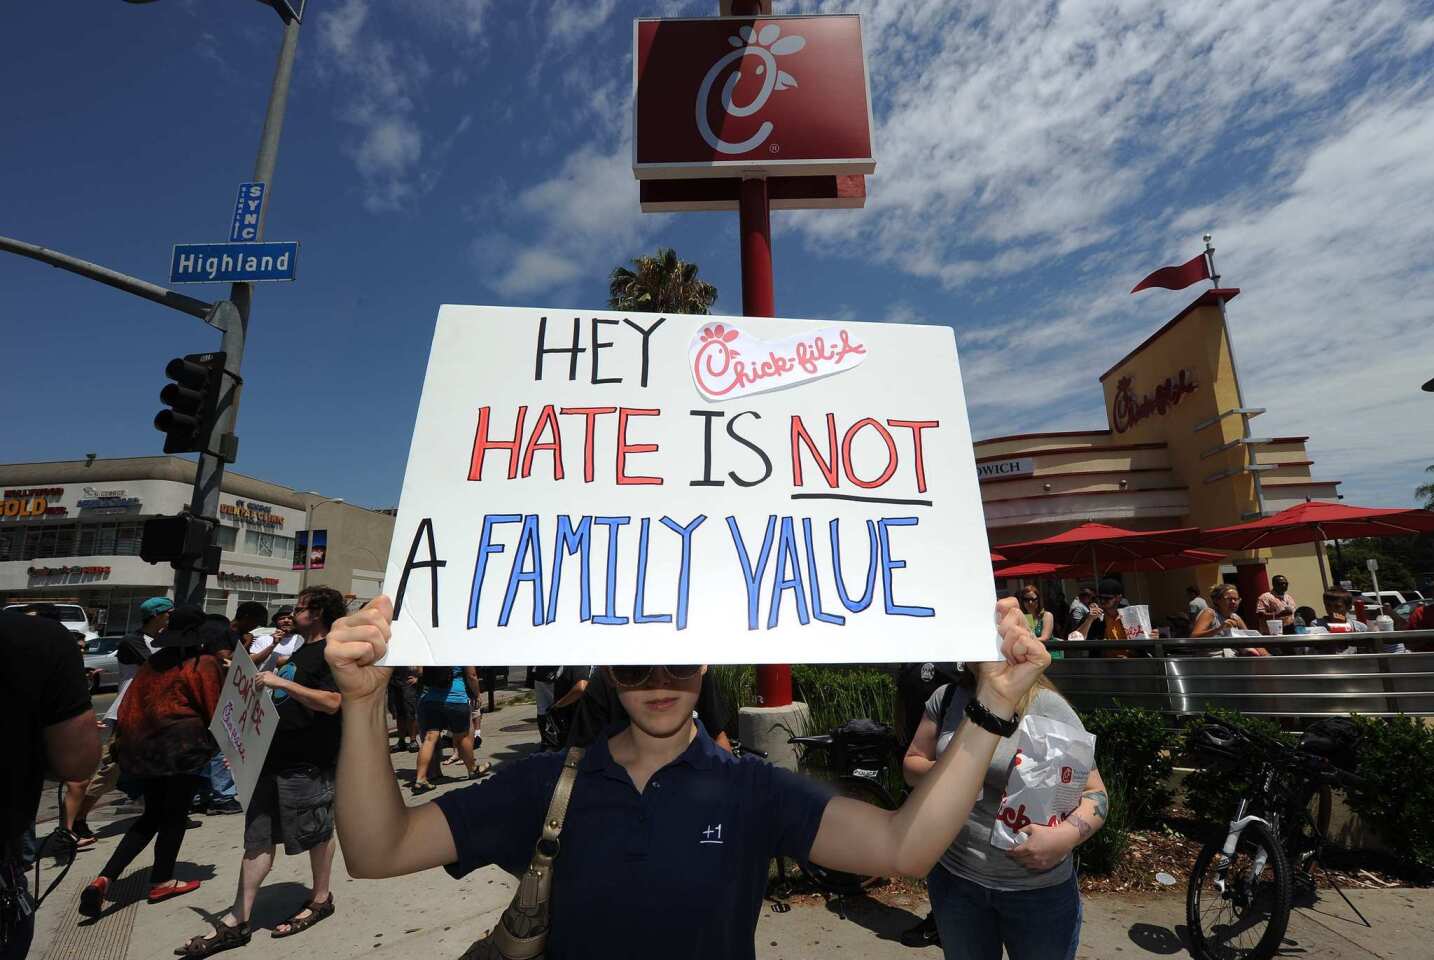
[1424, 493]
[662, 283]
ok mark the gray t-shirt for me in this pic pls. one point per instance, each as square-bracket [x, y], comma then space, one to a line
[971, 855]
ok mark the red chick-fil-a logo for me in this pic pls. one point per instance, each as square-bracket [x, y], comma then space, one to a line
[728, 363]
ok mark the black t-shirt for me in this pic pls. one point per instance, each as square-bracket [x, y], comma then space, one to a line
[42, 683]
[915, 682]
[600, 708]
[304, 735]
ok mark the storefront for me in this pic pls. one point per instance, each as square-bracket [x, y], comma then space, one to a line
[70, 532]
[1177, 450]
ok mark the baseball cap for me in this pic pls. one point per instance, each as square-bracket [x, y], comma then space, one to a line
[154, 606]
[1111, 588]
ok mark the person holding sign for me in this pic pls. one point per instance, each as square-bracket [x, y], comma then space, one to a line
[293, 798]
[163, 738]
[667, 837]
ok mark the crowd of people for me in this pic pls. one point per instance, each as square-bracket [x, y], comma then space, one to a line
[633, 728]
[655, 759]
[1095, 614]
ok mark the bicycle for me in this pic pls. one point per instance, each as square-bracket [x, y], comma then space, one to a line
[1241, 888]
[861, 751]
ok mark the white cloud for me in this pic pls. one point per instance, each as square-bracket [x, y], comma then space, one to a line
[587, 222]
[1041, 153]
[572, 20]
[382, 84]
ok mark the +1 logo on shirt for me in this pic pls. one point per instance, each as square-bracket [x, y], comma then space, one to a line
[710, 833]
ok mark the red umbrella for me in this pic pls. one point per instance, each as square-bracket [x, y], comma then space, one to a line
[1317, 521]
[1077, 544]
[996, 557]
[1156, 564]
[1030, 571]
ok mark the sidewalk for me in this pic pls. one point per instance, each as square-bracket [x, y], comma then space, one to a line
[431, 916]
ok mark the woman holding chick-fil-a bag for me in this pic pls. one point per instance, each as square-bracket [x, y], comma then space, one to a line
[986, 892]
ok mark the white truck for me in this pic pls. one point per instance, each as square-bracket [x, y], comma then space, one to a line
[72, 615]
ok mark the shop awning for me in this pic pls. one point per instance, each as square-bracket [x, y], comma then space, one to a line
[1319, 520]
[1111, 543]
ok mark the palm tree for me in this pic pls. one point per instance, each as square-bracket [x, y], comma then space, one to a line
[660, 284]
[1425, 491]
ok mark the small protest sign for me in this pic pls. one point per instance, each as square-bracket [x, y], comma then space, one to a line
[603, 487]
[244, 724]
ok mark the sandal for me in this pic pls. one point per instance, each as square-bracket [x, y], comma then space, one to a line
[420, 787]
[317, 912]
[225, 938]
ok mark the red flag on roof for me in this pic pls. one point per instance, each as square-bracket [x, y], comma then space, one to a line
[1177, 278]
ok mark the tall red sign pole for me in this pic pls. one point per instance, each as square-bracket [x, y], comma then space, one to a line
[741, 115]
[774, 680]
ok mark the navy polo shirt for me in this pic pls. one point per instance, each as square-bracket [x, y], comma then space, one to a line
[678, 870]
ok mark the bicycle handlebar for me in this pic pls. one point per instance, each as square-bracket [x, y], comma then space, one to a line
[818, 740]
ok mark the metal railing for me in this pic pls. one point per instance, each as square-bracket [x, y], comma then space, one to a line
[1180, 677]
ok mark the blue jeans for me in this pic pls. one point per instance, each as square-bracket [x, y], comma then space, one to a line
[975, 922]
[221, 781]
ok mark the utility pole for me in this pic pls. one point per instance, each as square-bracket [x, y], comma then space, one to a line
[190, 579]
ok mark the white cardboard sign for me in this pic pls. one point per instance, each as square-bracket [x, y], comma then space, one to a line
[244, 724]
[574, 495]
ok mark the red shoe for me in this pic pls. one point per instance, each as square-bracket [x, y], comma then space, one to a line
[92, 898]
[164, 891]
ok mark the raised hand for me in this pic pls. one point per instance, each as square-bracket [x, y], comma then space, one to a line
[354, 644]
[1003, 684]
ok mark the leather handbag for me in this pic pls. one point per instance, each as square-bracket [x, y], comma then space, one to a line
[522, 931]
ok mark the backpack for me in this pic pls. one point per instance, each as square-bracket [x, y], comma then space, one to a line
[1337, 739]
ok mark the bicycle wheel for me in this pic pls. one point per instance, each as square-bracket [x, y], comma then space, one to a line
[1239, 910]
[836, 881]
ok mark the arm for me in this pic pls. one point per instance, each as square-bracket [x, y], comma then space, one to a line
[471, 681]
[573, 695]
[921, 755]
[1044, 847]
[324, 701]
[72, 746]
[380, 835]
[860, 838]
[1205, 625]
[1048, 626]
[261, 656]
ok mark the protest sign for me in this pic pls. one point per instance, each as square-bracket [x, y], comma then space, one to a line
[244, 724]
[601, 487]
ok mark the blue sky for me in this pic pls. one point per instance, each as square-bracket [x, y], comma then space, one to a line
[1034, 160]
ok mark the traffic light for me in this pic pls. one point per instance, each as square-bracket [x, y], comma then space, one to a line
[192, 399]
[183, 540]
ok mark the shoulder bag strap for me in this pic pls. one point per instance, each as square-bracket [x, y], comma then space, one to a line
[536, 885]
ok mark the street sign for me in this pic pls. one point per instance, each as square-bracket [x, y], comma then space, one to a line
[288, 9]
[248, 210]
[233, 262]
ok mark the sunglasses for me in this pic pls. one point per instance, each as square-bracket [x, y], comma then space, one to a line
[638, 676]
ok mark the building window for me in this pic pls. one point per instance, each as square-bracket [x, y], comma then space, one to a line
[226, 537]
[11, 542]
[127, 538]
[262, 544]
[216, 601]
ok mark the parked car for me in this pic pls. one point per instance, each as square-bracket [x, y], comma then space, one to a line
[1392, 597]
[100, 662]
[72, 615]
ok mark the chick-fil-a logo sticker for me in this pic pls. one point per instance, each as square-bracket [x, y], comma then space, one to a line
[728, 363]
[766, 45]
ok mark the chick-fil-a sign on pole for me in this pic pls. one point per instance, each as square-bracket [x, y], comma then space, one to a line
[591, 487]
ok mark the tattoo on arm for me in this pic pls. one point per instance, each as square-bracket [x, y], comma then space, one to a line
[1101, 802]
[1082, 825]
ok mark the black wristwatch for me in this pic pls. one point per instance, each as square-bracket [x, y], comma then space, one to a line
[986, 720]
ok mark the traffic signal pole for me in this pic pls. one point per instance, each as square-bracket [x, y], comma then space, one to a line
[232, 320]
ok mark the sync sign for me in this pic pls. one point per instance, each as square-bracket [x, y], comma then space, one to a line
[247, 211]
[233, 262]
